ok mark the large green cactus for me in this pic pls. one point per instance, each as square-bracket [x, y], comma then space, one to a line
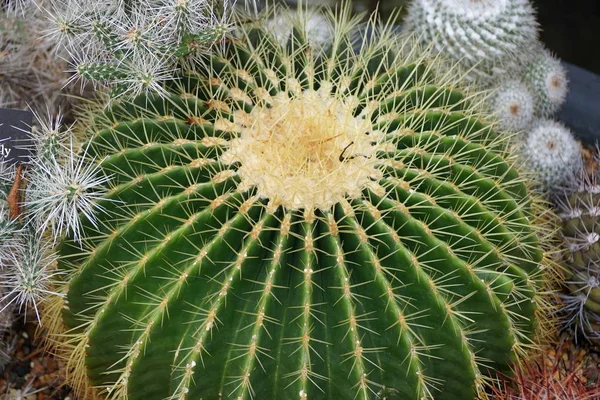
[290, 224]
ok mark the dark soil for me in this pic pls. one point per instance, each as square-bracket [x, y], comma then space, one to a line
[31, 373]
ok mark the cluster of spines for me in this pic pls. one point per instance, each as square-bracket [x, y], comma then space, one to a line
[133, 48]
[42, 200]
[549, 374]
[164, 156]
[318, 27]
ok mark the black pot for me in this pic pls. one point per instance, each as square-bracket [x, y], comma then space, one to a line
[581, 111]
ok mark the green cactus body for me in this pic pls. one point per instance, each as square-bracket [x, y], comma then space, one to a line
[286, 225]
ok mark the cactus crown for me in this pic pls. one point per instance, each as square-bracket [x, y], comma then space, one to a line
[291, 224]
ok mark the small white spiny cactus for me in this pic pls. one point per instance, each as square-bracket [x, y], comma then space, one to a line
[547, 80]
[61, 190]
[32, 271]
[513, 104]
[551, 152]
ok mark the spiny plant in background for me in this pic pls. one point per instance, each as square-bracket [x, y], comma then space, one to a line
[30, 271]
[33, 71]
[547, 80]
[497, 42]
[8, 234]
[580, 213]
[486, 37]
[57, 189]
[546, 377]
[133, 46]
[62, 183]
[290, 225]
[551, 152]
[318, 27]
[7, 237]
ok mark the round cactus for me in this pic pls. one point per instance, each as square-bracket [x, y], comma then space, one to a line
[552, 153]
[513, 105]
[547, 79]
[486, 36]
[286, 225]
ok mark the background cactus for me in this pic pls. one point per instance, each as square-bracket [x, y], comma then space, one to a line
[285, 224]
[564, 371]
[487, 37]
[34, 71]
[513, 104]
[551, 153]
[547, 80]
[580, 212]
[497, 43]
[133, 46]
[27, 255]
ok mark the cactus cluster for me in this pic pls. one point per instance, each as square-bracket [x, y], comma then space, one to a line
[285, 223]
[497, 42]
[131, 47]
[486, 36]
[41, 201]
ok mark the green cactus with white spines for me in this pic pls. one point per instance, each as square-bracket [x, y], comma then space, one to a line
[487, 37]
[291, 225]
